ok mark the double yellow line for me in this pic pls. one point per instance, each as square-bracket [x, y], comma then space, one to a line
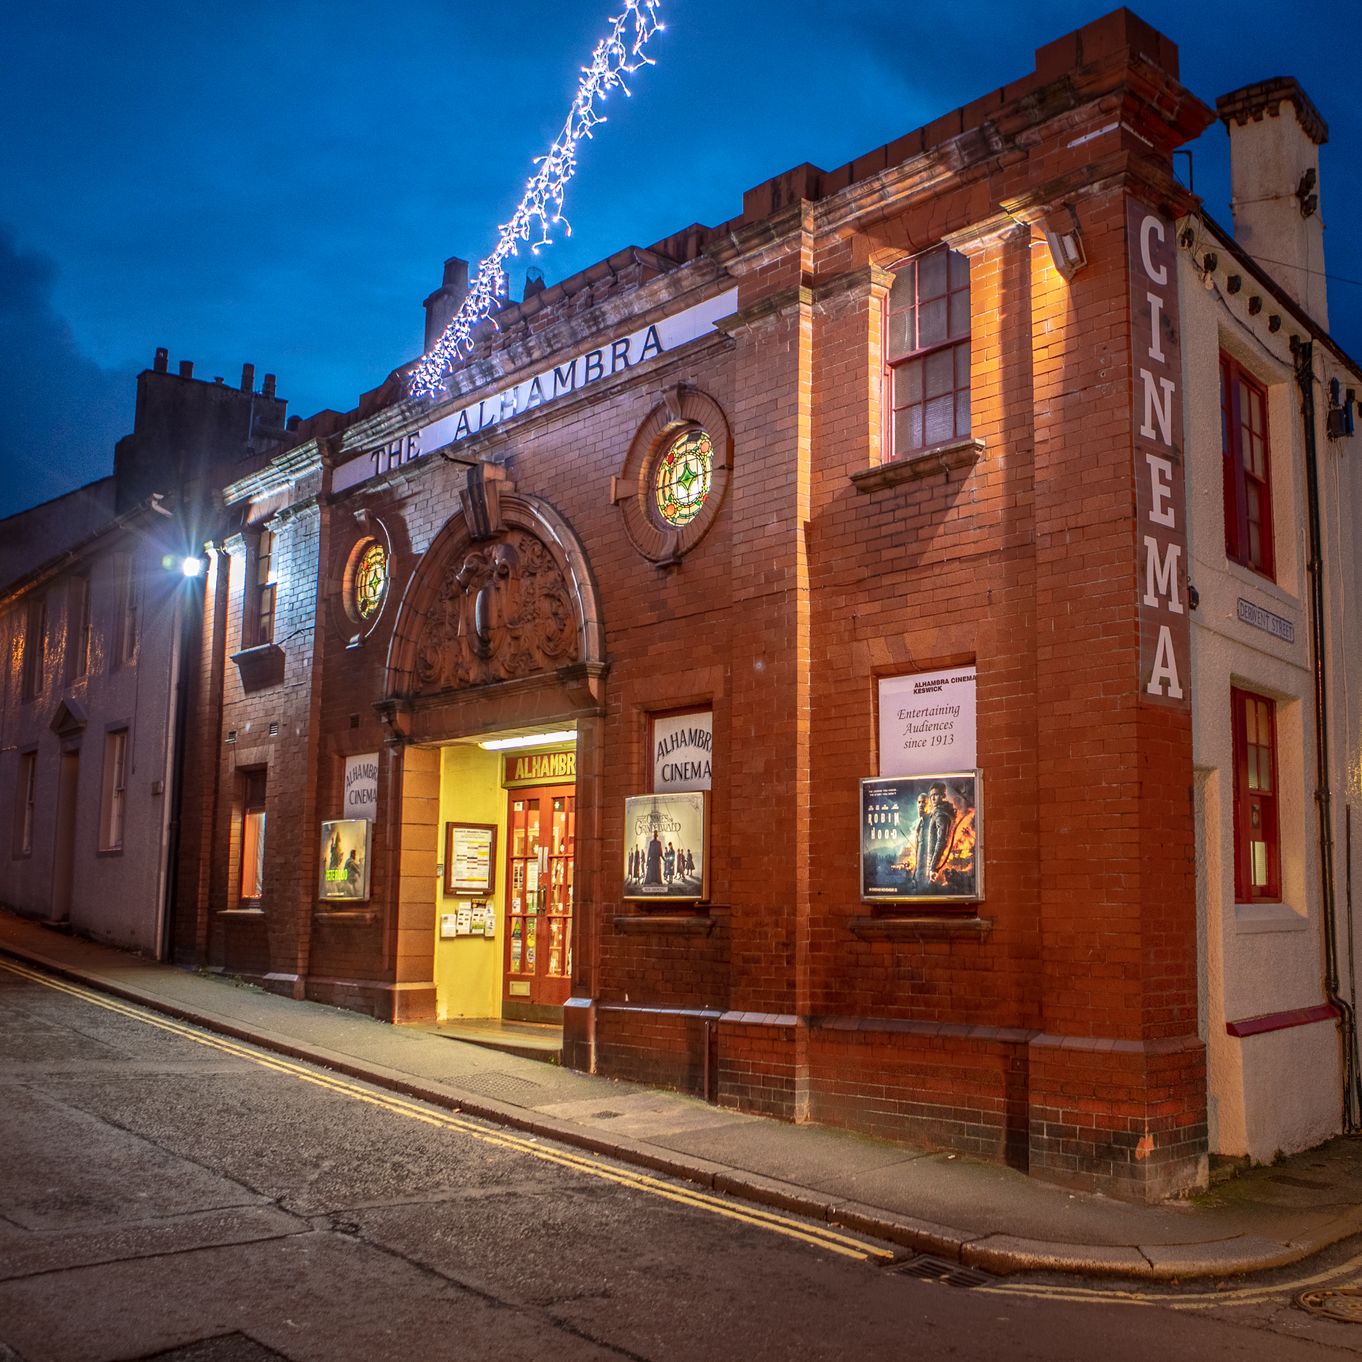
[844, 1245]
[1219, 1299]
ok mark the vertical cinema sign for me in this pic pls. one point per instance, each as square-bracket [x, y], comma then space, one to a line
[1160, 494]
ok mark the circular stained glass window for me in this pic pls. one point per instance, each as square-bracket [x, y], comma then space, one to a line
[683, 477]
[371, 580]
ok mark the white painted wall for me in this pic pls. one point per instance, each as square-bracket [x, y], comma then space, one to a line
[115, 896]
[1281, 1090]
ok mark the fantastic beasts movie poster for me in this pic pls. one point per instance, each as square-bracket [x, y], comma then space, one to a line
[664, 847]
[921, 838]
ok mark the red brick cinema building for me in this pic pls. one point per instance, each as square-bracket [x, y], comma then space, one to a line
[835, 570]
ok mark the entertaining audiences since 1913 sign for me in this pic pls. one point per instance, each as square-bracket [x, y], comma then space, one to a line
[927, 722]
[921, 838]
[664, 847]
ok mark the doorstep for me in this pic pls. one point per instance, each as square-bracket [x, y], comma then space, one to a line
[529, 1040]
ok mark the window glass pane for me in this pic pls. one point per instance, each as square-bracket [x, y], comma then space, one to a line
[253, 854]
[1260, 879]
[939, 424]
[962, 366]
[1252, 762]
[908, 383]
[932, 323]
[959, 269]
[940, 372]
[901, 339]
[962, 413]
[931, 275]
[959, 314]
[908, 429]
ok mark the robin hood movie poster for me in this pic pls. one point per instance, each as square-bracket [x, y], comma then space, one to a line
[921, 839]
[345, 860]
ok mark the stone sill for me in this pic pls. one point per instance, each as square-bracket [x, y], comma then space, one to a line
[345, 917]
[920, 927]
[926, 463]
[241, 912]
[663, 924]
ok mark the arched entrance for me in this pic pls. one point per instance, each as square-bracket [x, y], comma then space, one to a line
[498, 642]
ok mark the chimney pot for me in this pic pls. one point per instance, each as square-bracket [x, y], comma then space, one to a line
[186, 368]
[162, 360]
[247, 378]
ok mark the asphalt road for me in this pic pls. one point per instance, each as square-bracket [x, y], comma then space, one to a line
[165, 1193]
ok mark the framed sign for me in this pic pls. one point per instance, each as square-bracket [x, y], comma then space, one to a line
[683, 750]
[470, 858]
[927, 722]
[664, 848]
[922, 838]
[361, 786]
[345, 860]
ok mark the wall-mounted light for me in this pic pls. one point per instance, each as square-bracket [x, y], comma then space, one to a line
[191, 565]
[528, 740]
[1066, 244]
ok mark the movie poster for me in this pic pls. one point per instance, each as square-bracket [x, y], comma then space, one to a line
[664, 847]
[345, 860]
[921, 838]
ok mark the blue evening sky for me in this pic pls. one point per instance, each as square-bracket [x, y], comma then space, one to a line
[280, 182]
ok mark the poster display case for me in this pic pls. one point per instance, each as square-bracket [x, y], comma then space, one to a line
[345, 860]
[665, 844]
[922, 838]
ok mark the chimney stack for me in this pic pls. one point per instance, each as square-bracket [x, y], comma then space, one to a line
[186, 368]
[162, 360]
[1275, 137]
[442, 305]
[247, 378]
[268, 389]
[534, 282]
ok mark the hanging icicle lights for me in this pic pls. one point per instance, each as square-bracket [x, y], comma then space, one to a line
[618, 54]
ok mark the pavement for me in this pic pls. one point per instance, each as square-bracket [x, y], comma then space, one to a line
[966, 1211]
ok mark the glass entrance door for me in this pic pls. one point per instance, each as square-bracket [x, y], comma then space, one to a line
[541, 826]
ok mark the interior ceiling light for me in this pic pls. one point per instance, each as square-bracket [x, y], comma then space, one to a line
[528, 740]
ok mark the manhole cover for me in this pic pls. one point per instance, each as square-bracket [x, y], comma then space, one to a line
[928, 1269]
[1337, 1302]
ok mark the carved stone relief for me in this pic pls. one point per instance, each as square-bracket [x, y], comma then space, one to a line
[504, 610]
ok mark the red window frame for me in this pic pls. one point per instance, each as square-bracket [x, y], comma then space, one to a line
[927, 352]
[1247, 468]
[1257, 828]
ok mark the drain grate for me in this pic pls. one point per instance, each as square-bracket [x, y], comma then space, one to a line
[928, 1269]
[498, 1086]
[1336, 1302]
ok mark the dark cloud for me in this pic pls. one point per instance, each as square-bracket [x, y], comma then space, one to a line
[63, 412]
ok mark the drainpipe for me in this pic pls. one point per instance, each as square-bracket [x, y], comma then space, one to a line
[1305, 380]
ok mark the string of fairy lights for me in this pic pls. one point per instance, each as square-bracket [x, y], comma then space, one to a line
[617, 55]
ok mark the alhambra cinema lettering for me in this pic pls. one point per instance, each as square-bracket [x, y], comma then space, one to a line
[558, 381]
[1160, 499]
[539, 768]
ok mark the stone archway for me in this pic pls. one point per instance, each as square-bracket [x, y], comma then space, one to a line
[498, 628]
[500, 624]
